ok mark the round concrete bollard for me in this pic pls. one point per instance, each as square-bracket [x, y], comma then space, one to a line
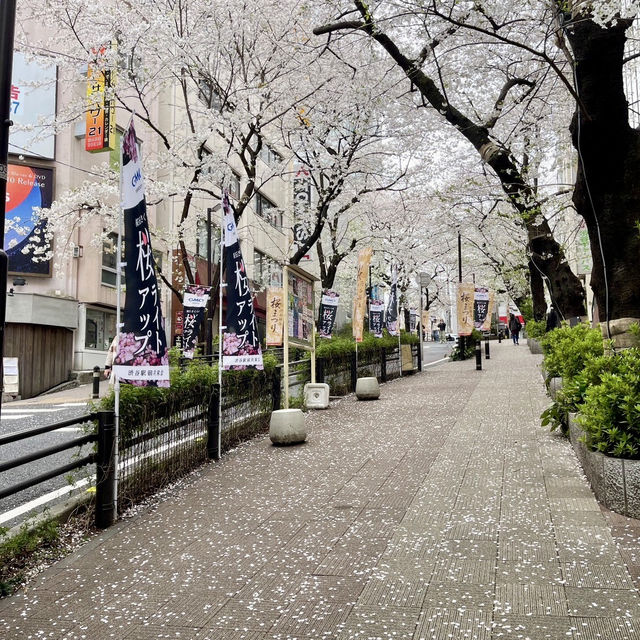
[367, 389]
[287, 427]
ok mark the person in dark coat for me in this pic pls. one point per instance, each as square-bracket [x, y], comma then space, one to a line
[553, 320]
[514, 329]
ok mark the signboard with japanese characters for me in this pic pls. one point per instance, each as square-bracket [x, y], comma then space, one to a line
[360, 299]
[482, 308]
[300, 308]
[33, 106]
[275, 316]
[25, 239]
[101, 107]
[194, 301]
[301, 204]
[142, 358]
[392, 306]
[240, 341]
[465, 304]
[376, 317]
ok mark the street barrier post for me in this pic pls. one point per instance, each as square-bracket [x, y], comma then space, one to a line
[96, 383]
[213, 426]
[478, 357]
[487, 355]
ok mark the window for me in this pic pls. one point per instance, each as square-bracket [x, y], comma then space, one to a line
[266, 271]
[269, 155]
[110, 259]
[268, 211]
[100, 328]
[234, 185]
[201, 241]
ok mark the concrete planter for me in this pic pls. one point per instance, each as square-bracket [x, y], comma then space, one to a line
[615, 481]
[287, 426]
[555, 384]
[367, 389]
[534, 345]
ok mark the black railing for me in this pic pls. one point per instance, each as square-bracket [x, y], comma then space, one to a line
[46, 452]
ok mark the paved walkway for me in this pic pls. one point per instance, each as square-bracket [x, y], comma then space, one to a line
[441, 511]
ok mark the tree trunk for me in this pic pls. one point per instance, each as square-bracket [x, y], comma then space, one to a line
[607, 193]
[537, 293]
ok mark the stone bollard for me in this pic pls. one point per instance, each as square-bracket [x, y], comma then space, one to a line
[316, 395]
[287, 426]
[367, 389]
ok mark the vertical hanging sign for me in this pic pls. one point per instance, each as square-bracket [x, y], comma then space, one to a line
[275, 316]
[194, 301]
[392, 307]
[240, 340]
[142, 358]
[360, 299]
[101, 108]
[328, 312]
[376, 317]
[465, 308]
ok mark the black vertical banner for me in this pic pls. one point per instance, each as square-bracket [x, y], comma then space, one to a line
[142, 358]
[328, 312]
[194, 301]
[376, 317]
[392, 307]
[240, 341]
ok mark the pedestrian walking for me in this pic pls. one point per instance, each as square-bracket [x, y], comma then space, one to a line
[553, 320]
[514, 329]
[442, 326]
[108, 364]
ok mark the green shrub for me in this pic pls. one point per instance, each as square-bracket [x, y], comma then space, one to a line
[536, 329]
[610, 415]
[567, 349]
[342, 346]
[192, 385]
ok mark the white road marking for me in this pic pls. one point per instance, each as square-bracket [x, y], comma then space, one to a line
[23, 409]
[15, 416]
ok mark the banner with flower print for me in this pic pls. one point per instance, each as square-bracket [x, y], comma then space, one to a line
[142, 358]
[240, 340]
[194, 301]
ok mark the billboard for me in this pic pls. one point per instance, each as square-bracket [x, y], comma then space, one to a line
[27, 189]
[33, 106]
[101, 110]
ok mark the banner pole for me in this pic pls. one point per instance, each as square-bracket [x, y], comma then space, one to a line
[220, 355]
[285, 340]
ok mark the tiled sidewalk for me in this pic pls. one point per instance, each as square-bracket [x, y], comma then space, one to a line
[441, 511]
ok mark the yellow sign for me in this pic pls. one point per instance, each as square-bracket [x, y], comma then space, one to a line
[275, 317]
[101, 111]
[360, 299]
[466, 292]
[424, 322]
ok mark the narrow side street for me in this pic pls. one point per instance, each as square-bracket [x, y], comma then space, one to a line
[442, 510]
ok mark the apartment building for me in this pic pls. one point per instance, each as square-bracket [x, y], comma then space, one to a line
[61, 312]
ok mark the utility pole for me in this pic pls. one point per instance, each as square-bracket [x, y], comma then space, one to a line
[7, 29]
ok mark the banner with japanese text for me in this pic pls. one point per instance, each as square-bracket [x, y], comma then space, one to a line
[360, 299]
[275, 316]
[425, 322]
[392, 306]
[142, 358]
[328, 313]
[376, 317]
[486, 325]
[480, 307]
[194, 301]
[465, 302]
[240, 340]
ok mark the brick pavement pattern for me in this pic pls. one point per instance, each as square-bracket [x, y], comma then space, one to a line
[441, 511]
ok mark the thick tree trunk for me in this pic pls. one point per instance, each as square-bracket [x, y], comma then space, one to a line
[537, 293]
[607, 193]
